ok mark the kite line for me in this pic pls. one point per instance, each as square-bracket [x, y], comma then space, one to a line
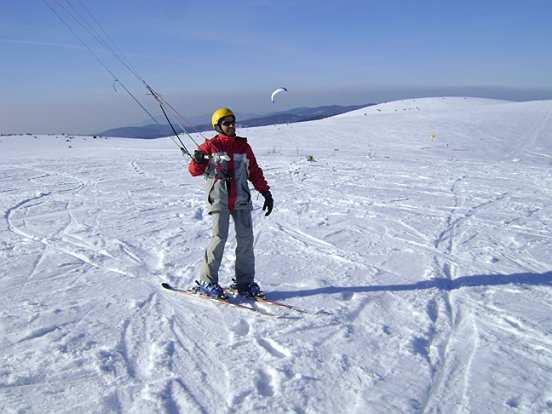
[62, 8]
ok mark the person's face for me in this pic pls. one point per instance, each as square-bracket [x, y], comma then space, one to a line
[228, 126]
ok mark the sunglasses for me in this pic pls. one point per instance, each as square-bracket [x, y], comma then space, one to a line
[228, 123]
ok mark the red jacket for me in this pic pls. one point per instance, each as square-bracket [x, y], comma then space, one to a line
[226, 179]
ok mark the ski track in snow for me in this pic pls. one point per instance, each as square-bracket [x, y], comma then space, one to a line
[429, 266]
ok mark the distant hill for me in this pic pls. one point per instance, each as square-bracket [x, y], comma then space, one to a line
[286, 117]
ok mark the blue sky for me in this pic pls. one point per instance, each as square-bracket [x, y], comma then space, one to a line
[202, 55]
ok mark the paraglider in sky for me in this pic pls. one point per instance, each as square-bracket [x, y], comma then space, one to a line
[276, 92]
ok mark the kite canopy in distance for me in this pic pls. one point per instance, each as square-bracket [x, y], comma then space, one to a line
[276, 92]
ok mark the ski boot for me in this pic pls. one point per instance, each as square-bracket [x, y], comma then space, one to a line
[251, 289]
[213, 290]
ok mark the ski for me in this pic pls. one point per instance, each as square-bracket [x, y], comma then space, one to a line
[273, 302]
[227, 301]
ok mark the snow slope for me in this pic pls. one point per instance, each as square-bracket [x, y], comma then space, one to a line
[420, 236]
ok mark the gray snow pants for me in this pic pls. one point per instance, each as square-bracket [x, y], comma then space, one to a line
[245, 258]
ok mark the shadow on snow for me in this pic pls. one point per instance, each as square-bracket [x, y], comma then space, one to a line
[535, 279]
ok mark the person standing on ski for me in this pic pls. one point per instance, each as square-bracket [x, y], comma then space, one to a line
[227, 162]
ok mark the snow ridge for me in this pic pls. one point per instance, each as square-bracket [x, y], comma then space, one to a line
[419, 238]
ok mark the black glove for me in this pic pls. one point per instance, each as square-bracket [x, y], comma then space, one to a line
[200, 157]
[269, 202]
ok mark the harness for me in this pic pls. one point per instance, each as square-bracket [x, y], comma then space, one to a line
[218, 172]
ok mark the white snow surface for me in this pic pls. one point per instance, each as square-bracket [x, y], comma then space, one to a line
[419, 237]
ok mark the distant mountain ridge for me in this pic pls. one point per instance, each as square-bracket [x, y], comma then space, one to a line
[285, 117]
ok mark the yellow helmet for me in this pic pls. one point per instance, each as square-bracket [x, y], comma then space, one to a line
[219, 114]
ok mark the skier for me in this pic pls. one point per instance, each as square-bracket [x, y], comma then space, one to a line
[227, 162]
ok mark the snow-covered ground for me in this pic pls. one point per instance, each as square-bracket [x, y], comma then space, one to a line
[421, 234]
